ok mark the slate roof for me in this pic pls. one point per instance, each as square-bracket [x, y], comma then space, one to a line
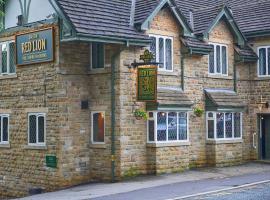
[113, 18]
[224, 98]
[173, 97]
[102, 18]
[194, 43]
[251, 15]
[246, 53]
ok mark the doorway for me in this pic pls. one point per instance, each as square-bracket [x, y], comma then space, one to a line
[264, 137]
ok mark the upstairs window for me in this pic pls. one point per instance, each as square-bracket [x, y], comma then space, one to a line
[218, 60]
[222, 126]
[4, 129]
[264, 61]
[7, 60]
[162, 48]
[97, 55]
[167, 127]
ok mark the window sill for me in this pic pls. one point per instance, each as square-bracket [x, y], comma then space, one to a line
[233, 141]
[218, 76]
[168, 73]
[7, 146]
[170, 144]
[98, 146]
[99, 71]
[35, 147]
[11, 76]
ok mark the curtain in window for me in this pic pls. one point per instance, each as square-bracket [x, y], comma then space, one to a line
[12, 67]
[182, 126]
[161, 52]
[237, 125]
[151, 130]
[32, 129]
[168, 54]
[228, 125]
[220, 125]
[224, 60]
[212, 61]
[4, 63]
[218, 58]
[153, 47]
[172, 126]
[161, 126]
[98, 127]
[262, 61]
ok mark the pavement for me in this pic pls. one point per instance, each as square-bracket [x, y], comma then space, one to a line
[180, 185]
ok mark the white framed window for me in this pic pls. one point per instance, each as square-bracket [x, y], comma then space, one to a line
[37, 129]
[263, 69]
[7, 60]
[97, 55]
[164, 127]
[218, 60]
[162, 48]
[4, 128]
[98, 127]
[224, 125]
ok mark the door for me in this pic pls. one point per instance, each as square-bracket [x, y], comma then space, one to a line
[265, 138]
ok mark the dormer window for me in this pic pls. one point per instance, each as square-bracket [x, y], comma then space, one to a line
[162, 48]
[218, 60]
[264, 61]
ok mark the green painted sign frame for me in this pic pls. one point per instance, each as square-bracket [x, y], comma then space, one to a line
[51, 161]
[147, 84]
[35, 47]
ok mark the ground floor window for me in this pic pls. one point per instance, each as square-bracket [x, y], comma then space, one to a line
[167, 126]
[98, 127]
[4, 129]
[224, 125]
[36, 128]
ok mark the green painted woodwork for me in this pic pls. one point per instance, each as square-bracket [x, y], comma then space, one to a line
[51, 161]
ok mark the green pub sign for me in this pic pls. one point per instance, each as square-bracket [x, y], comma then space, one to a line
[147, 84]
[35, 47]
[51, 161]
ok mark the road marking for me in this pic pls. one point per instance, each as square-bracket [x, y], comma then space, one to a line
[221, 190]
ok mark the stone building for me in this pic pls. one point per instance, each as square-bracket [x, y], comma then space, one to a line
[69, 89]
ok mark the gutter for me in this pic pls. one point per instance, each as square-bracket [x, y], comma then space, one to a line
[113, 67]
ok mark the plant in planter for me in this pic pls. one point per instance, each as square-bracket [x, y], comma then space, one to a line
[140, 114]
[198, 111]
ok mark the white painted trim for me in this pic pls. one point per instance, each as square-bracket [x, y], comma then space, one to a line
[92, 127]
[167, 135]
[45, 125]
[215, 127]
[8, 59]
[266, 61]
[164, 37]
[221, 58]
[1, 139]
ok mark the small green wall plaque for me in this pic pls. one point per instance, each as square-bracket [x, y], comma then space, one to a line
[51, 161]
[147, 84]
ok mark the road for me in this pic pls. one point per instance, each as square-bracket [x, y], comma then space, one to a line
[258, 192]
[179, 190]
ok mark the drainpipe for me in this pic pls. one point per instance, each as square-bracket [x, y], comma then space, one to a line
[182, 71]
[113, 66]
[234, 78]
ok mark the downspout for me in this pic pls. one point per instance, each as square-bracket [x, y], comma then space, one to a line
[182, 71]
[234, 78]
[113, 67]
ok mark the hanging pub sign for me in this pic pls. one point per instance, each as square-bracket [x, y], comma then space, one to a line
[35, 47]
[147, 84]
